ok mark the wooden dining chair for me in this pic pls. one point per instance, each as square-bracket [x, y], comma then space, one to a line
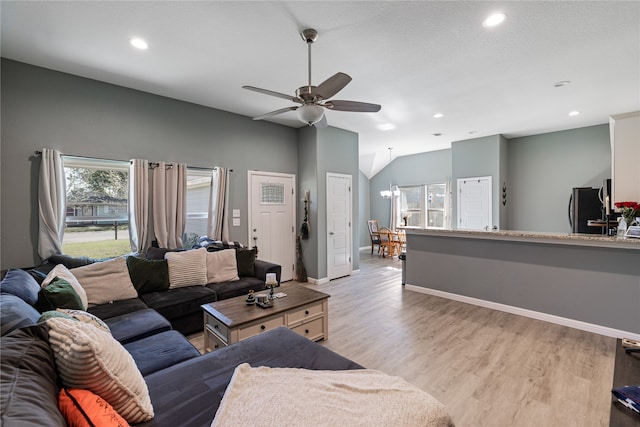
[373, 233]
[388, 242]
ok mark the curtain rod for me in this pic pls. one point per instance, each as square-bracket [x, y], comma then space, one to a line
[151, 164]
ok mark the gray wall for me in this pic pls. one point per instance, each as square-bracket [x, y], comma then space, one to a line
[544, 168]
[308, 180]
[423, 168]
[78, 116]
[365, 209]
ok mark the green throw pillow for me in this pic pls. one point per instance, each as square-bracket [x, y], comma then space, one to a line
[245, 258]
[148, 275]
[58, 294]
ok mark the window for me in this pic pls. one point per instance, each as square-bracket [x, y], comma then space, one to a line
[411, 206]
[198, 190]
[436, 200]
[423, 206]
[97, 207]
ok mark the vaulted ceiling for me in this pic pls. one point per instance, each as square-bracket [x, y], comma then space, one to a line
[415, 58]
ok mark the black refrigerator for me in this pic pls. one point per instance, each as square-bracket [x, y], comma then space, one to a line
[584, 204]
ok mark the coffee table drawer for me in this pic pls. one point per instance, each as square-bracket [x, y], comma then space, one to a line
[258, 328]
[217, 327]
[313, 330]
[307, 312]
[212, 341]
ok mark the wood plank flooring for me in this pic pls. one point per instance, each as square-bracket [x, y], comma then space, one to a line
[488, 367]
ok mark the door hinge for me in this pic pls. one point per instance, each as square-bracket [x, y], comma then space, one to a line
[293, 267]
[349, 188]
[292, 191]
[292, 230]
[349, 260]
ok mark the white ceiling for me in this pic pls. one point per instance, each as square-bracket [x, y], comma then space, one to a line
[415, 58]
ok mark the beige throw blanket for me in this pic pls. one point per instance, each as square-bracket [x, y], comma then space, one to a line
[284, 397]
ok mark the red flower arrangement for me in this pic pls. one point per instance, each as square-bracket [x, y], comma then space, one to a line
[630, 210]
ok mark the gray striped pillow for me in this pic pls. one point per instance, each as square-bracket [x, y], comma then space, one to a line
[187, 268]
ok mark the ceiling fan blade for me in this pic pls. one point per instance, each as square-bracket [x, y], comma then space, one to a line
[359, 107]
[322, 123]
[332, 85]
[273, 113]
[272, 93]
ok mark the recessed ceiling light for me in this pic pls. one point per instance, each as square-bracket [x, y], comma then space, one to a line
[574, 113]
[494, 19]
[438, 115]
[437, 134]
[472, 132]
[386, 126]
[562, 83]
[139, 43]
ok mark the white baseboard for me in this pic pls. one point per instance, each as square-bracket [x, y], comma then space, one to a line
[315, 281]
[355, 271]
[572, 323]
[364, 248]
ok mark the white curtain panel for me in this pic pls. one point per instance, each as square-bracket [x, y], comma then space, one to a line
[52, 198]
[139, 205]
[217, 197]
[169, 203]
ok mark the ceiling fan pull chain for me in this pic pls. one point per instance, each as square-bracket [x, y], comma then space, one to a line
[309, 60]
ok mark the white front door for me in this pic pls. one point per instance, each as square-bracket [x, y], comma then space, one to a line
[474, 203]
[272, 219]
[339, 246]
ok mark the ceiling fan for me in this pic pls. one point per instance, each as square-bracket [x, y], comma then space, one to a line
[314, 99]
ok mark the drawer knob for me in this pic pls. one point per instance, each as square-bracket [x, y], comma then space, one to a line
[306, 331]
[215, 326]
[215, 346]
[263, 327]
[306, 312]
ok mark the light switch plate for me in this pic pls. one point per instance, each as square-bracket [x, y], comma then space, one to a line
[236, 222]
[236, 214]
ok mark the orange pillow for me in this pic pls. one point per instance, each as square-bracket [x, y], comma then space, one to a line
[82, 408]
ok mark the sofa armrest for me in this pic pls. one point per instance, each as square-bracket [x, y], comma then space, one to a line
[264, 267]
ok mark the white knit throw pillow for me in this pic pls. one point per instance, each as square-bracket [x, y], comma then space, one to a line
[90, 358]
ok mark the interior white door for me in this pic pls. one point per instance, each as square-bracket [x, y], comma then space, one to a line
[272, 219]
[474, 203]
[339, 241]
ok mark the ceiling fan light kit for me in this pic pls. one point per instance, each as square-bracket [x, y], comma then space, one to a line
[314, 99]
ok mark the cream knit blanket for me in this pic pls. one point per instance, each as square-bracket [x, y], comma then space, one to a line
[285, 397]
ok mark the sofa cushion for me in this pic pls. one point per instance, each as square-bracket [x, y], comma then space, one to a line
[136, 325]
[179, 302]
[84, 408]
[59, 293]
[222, 266]
[62, 272]
[187, 268]
[160, 351]
[70, 261]
[148, 275]
[106, 281]
[21, 284]
[245, 259]
[89, 358]
[226, 290]
[116, 308]
[15, 313]
[28, 388]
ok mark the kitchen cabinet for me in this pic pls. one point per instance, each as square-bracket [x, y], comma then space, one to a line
[625, 156]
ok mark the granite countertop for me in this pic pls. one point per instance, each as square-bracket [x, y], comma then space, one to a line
[536, 237]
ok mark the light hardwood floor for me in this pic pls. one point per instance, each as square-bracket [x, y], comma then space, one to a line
[488, 367]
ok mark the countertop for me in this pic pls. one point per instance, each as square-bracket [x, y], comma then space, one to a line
[594, 240]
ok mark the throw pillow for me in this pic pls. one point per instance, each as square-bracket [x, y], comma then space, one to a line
[81, 316]
[15, 313]
[84, 408]
[222, 266]
[148, 275]
[246, 262]
[187, 268]
[70, 261]
[90, 358]
[106, 281]
[61, 271]
[58, 294]
[21, 284]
